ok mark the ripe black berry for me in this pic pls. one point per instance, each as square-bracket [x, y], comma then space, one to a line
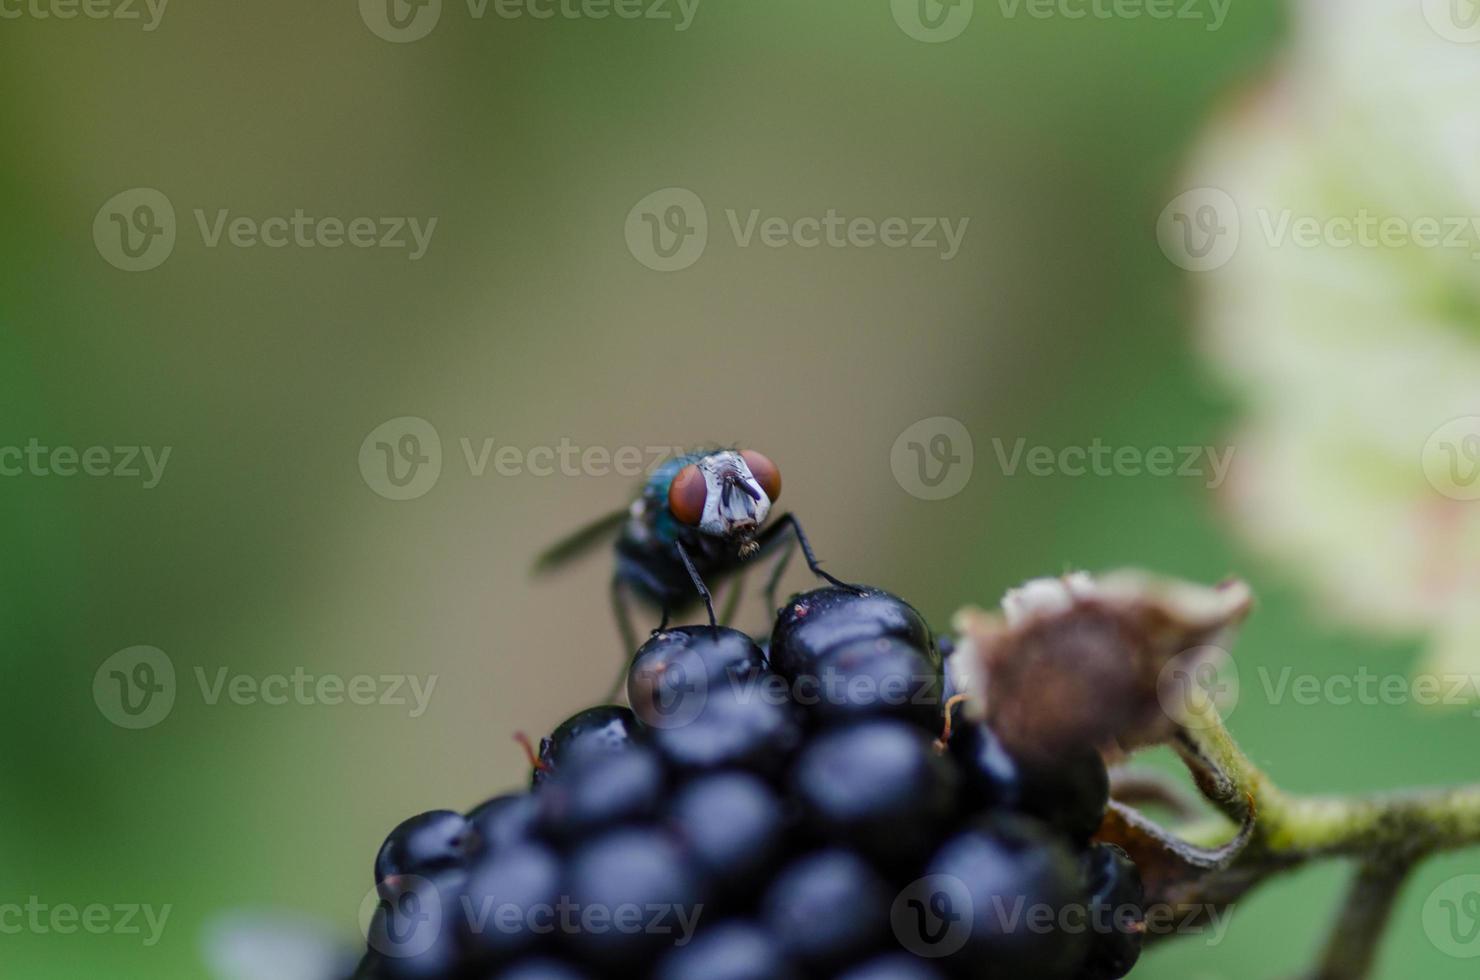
[827, 909]
[1021, 881]
[733, 825]
[989, 775]
[540, 968]
[1117, 905]
[427, 842]
[594, 791]
[746, 822]
[729, 951]
[682, 664]
[1069, 791]
[506, 899]
[606, 728]
[815, 622]
[502, 821]
[893, 966]
[748, 728]
[878, 785]
[882, 677]
[412, 932]
[636, 874]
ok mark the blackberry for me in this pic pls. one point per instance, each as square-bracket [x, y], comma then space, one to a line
[893, 966]
[681, 665]
[734, 950]
[734, 827]
[990, 777]
[879, 786]
[606, 728]
[504, 898]
[786, 817]
[595, 791]
[427, 842]
[621, 882]
[746, 728]
[828, 909]
[412, 933]
[1118, 915]
[502, 821]
[1020, 881]
[1070, 791]
[815, 622]
[539, 968]
[881, 676]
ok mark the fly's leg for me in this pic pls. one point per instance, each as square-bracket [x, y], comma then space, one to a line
[790, 520]
[629, 637]
[732, 602]
[778, 570]
[699, 585]
[624, 616]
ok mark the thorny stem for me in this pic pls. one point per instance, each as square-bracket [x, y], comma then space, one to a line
[1387, 835]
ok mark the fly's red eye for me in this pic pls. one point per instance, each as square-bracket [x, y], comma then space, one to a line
[686, 495]
[764, 471]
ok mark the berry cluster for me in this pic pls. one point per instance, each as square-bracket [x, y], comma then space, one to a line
[783, 810]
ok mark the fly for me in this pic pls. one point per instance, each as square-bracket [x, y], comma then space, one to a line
[697, 519]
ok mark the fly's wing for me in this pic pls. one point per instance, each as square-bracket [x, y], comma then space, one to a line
[275, 946]
[580, 542]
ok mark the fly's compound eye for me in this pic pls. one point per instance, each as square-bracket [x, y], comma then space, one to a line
[686, 495]
[764, 471]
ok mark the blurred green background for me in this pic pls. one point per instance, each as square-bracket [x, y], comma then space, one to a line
[528, 321]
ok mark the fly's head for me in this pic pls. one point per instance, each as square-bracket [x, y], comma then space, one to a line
[727, 495]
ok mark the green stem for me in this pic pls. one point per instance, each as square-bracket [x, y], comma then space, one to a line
[1386, 834]
[1351, 949]
[1391, 825]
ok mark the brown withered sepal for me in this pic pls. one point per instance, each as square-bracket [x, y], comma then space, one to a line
[1082, 660]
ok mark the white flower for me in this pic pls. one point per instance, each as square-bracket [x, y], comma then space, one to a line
[1353, 349]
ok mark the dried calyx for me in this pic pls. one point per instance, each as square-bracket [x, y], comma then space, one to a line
[1127, 661]
[1083, 660]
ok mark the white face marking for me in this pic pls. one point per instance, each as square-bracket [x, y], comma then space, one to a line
[728, 509]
